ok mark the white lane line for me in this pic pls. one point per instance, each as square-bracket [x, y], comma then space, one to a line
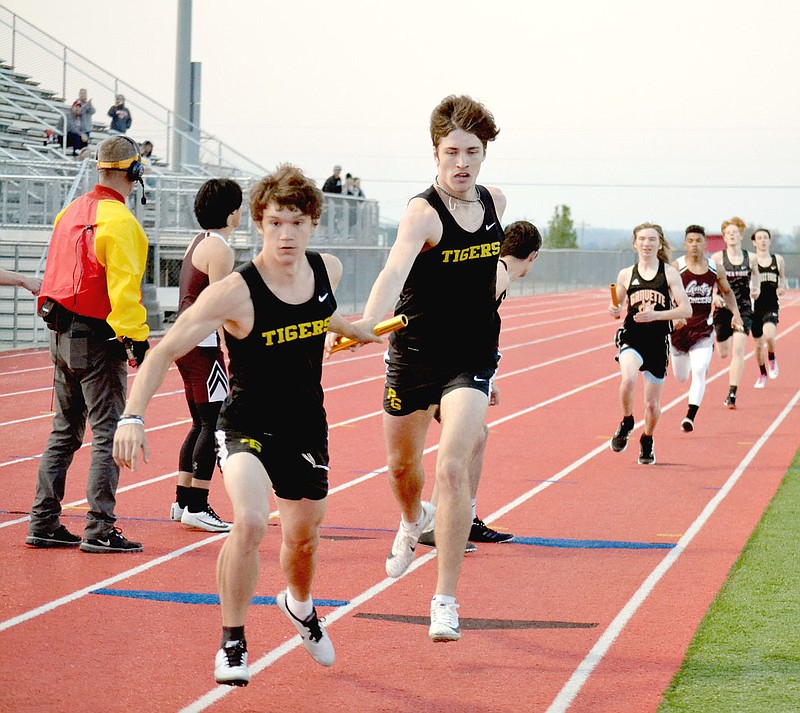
[581, 674]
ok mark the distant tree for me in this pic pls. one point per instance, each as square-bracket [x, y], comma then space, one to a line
[561, 230]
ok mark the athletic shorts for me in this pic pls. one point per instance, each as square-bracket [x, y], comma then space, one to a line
[762, 318]
[295, 474]
[722, 323]
[416, 387]
[654, 351]
[205, 379]
[703, 342]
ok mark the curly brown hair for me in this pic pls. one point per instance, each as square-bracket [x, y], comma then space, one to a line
[289, 187]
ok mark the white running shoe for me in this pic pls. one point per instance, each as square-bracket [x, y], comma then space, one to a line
[761, 382]
[175, 512]
[444, 622]
[313, 634]
[206, 520]
[405, 542]
[772, 368]
[230, 664]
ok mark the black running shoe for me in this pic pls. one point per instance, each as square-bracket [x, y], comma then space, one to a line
[429, 540]
[230, 664]
[647, 455]
[619, 441]
[60, 537]
[687, 425]
[481, 532]
[730, 402]
[112, 542]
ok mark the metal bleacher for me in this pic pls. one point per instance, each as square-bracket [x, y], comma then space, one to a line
[38, 177]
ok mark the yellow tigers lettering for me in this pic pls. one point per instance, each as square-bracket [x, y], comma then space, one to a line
[474, 252]
[291, 332]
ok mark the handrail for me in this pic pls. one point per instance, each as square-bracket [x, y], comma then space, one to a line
[109, 82]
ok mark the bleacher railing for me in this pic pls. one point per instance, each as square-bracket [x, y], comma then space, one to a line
[63, 70]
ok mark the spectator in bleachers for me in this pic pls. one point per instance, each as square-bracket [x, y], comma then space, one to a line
[87, 111]
[76, 138]
[334, 183]
[120, 116]
[147, 153]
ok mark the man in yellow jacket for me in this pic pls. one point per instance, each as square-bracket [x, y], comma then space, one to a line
[91, 300]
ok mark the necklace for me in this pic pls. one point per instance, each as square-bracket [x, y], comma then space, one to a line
[451, 197]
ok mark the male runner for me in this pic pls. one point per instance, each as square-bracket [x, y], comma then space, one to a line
[772, 284]
[693, 339]
[273, 432]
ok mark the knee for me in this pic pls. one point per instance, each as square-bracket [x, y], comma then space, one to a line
[399, 467]
[249, 529]
[302, 545]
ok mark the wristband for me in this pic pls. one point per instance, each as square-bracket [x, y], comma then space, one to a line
[128, 419]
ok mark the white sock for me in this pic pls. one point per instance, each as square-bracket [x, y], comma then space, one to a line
[302, 610]
[443, 599]
[414, 526]
[474, 508]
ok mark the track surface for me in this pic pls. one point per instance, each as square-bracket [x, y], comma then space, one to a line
[591, 608]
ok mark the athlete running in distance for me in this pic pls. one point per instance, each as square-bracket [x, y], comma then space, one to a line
[650, 287]
[771, 274]
[692, 342]
[740, 269]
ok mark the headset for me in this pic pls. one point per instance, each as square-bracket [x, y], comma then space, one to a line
[133, 167]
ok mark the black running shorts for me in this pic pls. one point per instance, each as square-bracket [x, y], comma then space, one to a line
[415, 387]
[653, 349]
[762, 318]
[723, 327]
[294, 474]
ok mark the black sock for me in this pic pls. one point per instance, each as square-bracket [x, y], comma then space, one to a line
[645, 438]
[763, 369]
[182, 495]
[732, 391]
[198, 499]
[627, 421]
[692, 412]
[232, 633]
[771, 356]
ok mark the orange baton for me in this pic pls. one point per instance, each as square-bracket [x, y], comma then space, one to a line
[389, 325]
[614, 299]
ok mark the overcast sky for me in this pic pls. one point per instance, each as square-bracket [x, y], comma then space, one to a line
[679, 112]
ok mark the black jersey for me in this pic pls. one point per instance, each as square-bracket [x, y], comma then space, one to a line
[768, 298]
[739, 279]
[449, 295]
[276, 370]
[644, 294]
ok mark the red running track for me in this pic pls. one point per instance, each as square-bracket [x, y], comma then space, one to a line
[590, 609]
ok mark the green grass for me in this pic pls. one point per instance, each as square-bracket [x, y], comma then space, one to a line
[745, 655]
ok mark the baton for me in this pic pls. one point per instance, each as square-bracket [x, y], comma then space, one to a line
[389, 325]
[614, 299]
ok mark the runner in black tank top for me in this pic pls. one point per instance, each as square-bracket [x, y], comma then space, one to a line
[772, 281]
[441, 272]
[739, 267]
[283, 397]
[275, 312]
[650, 287]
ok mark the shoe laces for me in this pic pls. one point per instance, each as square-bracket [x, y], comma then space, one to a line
[234, 651]
[210, 511]
[313, 626]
